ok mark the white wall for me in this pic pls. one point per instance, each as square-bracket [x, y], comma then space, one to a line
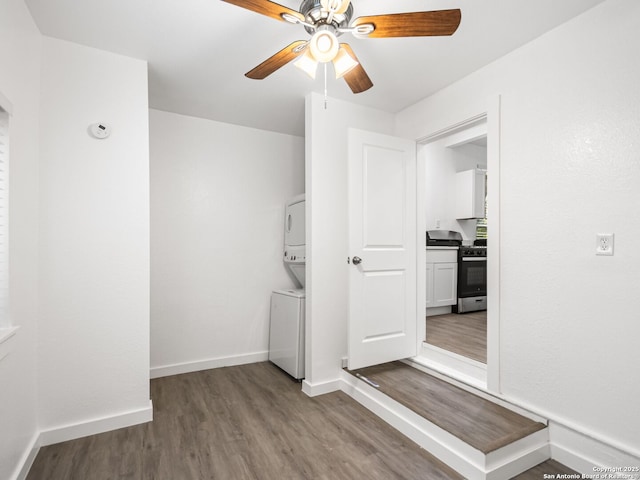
[94, 240]
[327, 247]
[217, 218]
[20, 45]
[570, 168]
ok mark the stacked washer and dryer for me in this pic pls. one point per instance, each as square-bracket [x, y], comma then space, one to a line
[286, 333]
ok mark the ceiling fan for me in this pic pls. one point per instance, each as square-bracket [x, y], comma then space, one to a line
[326, 20]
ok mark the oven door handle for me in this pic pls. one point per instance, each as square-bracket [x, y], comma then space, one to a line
[474, 259]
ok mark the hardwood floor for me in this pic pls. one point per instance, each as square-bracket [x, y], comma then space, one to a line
[480, 423]
[247, 422]
[464, 334]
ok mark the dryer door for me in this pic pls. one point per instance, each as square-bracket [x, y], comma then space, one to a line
[294, 225]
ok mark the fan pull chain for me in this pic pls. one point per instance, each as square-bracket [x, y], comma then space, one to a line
[325, 86]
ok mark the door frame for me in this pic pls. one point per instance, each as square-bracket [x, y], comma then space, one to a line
[492, 119]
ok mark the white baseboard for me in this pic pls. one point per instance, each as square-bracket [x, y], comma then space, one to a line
[583, 453]
[95, 426]
[30, 453]
[519, 456]
[432, 311]
[207, 364]
[313, 390]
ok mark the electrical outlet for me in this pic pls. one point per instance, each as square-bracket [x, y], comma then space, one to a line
[604, 244]
[345, 362]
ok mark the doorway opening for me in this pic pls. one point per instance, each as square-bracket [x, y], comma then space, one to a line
[397, 297]
[454, 166]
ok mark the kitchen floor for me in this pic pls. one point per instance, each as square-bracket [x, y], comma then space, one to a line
[464, 334]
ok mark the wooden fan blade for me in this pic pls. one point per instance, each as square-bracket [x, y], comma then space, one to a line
[265, 7]
[343, 6]
[356, 78]
[276, 61]
[415, 24]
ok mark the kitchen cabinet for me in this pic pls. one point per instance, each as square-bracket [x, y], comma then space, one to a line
[470, 194]
[442, 277]
[429, 303]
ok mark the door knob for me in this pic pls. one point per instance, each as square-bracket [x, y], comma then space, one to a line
[357, 260]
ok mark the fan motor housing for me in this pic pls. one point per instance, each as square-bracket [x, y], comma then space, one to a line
[313, 13]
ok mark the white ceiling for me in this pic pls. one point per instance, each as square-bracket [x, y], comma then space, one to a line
[199, 50]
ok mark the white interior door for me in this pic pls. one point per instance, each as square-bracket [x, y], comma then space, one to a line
[382, 249]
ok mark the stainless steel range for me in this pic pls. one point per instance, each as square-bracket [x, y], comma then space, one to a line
[443, 238]
[472, 278]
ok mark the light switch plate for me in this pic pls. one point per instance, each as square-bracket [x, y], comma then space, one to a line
[604, 244]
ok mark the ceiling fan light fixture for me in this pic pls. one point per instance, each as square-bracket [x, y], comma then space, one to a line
[343, 63]
[307, 64]
[324, 46]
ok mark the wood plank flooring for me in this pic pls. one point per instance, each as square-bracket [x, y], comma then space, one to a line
[480, 423]
[247, 422]
[464, 334]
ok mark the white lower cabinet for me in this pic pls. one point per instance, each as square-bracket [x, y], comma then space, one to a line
[442, 278]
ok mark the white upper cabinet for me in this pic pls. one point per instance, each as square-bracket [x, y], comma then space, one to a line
[470, 194]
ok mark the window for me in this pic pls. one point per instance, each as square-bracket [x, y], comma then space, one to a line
[481, 226]
[7, 331]
[4, 217]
